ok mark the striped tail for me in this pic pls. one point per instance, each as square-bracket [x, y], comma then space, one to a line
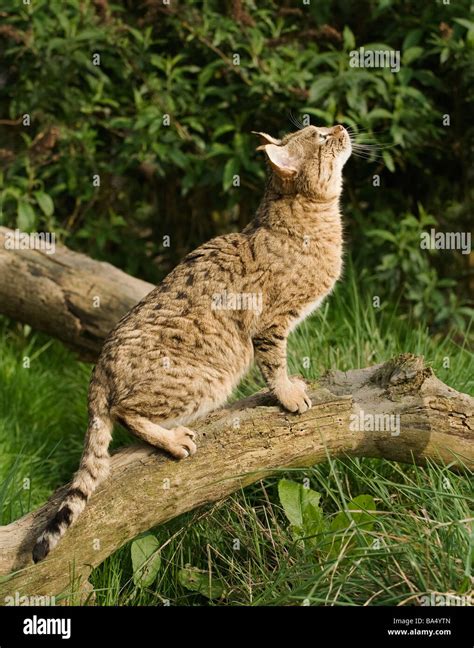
[93, 469]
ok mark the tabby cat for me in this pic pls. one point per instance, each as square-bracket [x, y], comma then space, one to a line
[180, 352]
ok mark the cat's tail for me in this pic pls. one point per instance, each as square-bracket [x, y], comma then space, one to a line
[93, 469]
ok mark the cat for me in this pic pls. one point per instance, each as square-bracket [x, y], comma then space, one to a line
[179, 353]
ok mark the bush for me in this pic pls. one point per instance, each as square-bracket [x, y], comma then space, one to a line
[157, 103]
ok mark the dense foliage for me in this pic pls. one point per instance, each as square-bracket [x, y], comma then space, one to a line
[156, 101]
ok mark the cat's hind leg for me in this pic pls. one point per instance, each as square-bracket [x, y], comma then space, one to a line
[178, 441]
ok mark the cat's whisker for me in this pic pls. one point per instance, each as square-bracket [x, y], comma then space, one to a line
[368, 130]
[372, 148]
[367, 140]
[368, 147]
[295, 121]
[371, 160]
[365, 146]
[368, 155]
[372, 144]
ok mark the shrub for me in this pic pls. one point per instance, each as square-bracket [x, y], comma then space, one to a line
[217, 71]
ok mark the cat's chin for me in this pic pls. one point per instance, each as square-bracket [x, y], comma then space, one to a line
[346, 154]
[344, 150]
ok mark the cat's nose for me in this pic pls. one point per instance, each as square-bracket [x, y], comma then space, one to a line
[338, 130]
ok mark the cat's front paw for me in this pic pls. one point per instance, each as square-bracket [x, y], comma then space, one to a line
[292, 395]
[182, 442]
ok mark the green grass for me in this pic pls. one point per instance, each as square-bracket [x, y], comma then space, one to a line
[423, 537]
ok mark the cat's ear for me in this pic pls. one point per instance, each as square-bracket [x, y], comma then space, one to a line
[281, 161]
[265, 139]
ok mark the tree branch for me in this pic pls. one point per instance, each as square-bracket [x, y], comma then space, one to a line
[66, 294]
[239, 445]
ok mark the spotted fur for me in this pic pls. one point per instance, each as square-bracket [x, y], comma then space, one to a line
[178, 354]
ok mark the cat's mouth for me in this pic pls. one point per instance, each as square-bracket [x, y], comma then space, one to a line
[340, 140]
[339, 134]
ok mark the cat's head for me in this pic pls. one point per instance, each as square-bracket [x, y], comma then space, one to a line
[308, 161]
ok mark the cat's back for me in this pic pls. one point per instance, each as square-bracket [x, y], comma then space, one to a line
[216, 264]
[180, 312]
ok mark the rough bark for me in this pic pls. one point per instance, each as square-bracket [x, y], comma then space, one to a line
[66, 294]
[240, 445]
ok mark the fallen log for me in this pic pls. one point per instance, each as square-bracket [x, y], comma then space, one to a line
[239, 445]
[66, 294]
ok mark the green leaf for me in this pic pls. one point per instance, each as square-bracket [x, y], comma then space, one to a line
[257, 42]
[444, 55]
[231, 168]
[289, 493]
[301, 506]
[45, 202]
[25, 215]
[468, 24]
[379, 113]
[411, 54]
[320, 88]
[197, 580]
[324, 115]
[388, 159]
[362, 510]
[412, 38]
[225, 128]
[314, 521]
[357, 513]
[146, 559]
[349, 39]
[382, 234]
[360, 513]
